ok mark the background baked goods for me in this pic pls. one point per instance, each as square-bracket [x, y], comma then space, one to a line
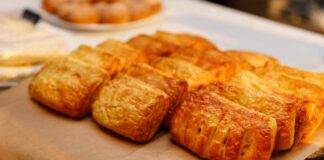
[102, 11]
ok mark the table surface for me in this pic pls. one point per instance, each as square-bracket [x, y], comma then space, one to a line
[228, 28]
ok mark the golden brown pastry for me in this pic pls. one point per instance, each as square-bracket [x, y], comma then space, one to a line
[126, 53]
[115, 12]
[139, 9]
[216, 128]
[152, 47]
[130, 107]
[310, 77]
[155, 5]
[220, 65]
[253, 58]
[51, 6]
[249, 91]
[186, 40]
[312, 96]
[164, 43]
[79, 13]
[172, 87]
[97, 57]
[181, 69]
[102, 11]
[67, 85]
[65, 9]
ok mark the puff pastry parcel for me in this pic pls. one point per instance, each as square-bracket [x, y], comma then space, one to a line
[67, 85]
[311, 113]
[216, 128]
[126, 53]
[174, 88]
[219, 64]
[181, 69]
[153, 47]
[310, 77]
[164, 43]
[186, 40]
[248, 90]
[130, 107]
[253, 58]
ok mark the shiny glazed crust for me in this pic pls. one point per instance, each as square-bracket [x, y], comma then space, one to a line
[174, 88]
[216, 128]
[181, 69]
[130, 107]
[249, 91]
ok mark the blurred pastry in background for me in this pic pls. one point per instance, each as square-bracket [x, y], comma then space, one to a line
[81, 13]
[102, 11]
[115, 12]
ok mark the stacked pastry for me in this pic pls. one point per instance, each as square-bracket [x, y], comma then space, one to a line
[218, 104]
[102, 11]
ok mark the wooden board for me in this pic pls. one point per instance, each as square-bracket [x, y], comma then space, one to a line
[30, 131]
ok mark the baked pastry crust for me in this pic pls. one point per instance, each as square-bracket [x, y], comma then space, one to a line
[67, 85]
[310, 77]
[102, 11]
[164, 43]
[181, 69]
[311, 96]
[115, 12]
[97, 57]
[152, 47]
[126, 53]
[195, 42]
[220, 65]
[174, 88]
[216, 128]
[130, 107]
[78, 13]
[253, 58]
[249, 91]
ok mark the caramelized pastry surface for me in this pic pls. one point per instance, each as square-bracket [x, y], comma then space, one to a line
[130, 107]
[216, 128]
[126, 53]
[253, 58]
[219, 64]
[249, 91]
[311, 97]
[181, 69]
[174, 88]
[67, 86]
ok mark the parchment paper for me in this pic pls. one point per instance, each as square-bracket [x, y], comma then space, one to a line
[29, 131]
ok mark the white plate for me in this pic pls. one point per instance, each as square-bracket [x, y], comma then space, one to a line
[99, 27]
